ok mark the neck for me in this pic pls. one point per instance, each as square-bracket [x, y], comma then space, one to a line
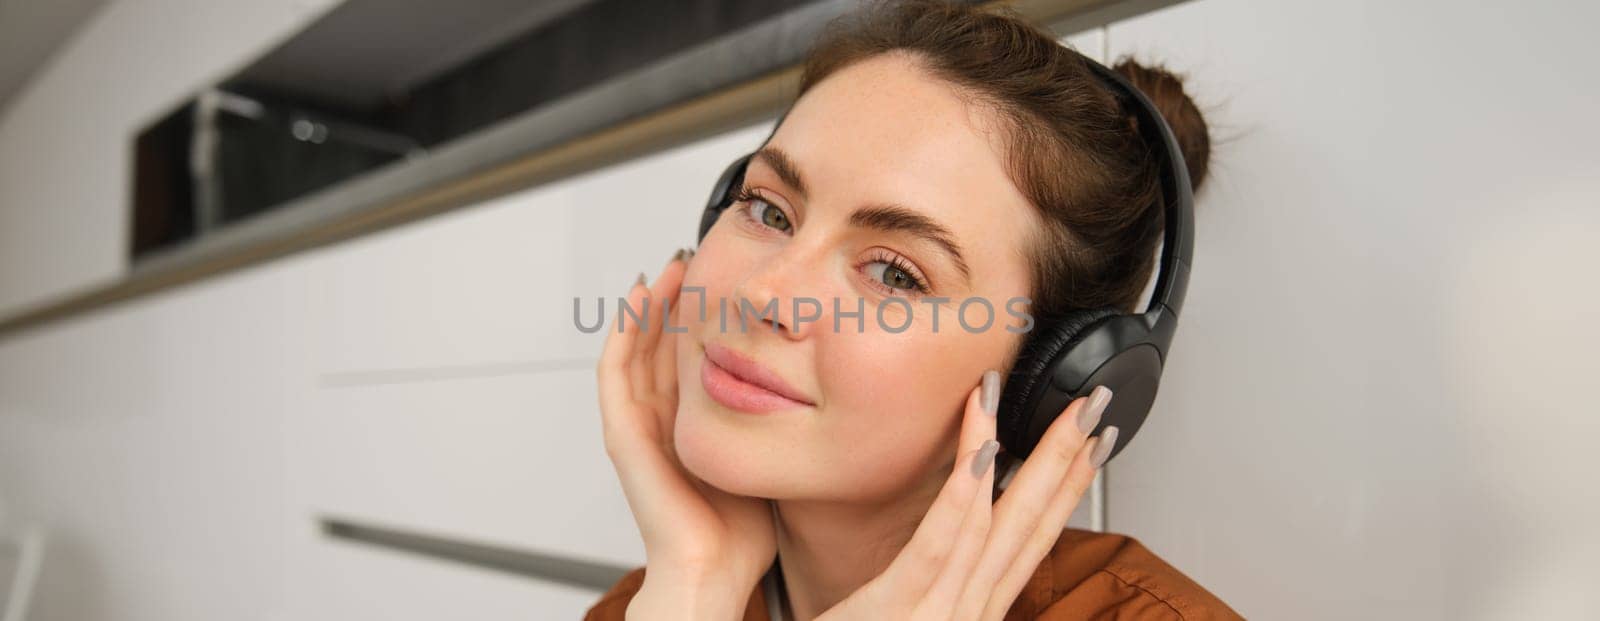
[828, 549]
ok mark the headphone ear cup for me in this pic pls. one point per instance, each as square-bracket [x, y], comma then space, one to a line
[1050, 338]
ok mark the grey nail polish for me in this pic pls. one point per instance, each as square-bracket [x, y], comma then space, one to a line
[989, 396]
[677, 255]
[1108, 440]
[640, 281]
[985, 458]
[1089, 416]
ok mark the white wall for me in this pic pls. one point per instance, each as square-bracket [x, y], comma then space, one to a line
[1374, 408]
[1380, 404]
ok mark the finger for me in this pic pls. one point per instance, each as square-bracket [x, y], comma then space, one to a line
[651, 480]
[612, 376]
[666, 373]
[648, 478]
[941, 598]
[642, 366]
[1020, 509]
[659, 362]
[666, 361]
[1079, 477]
[934, 541]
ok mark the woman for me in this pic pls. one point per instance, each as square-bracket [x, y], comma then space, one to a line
[836, 459]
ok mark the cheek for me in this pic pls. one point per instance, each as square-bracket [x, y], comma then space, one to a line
[894, 404]
[706, 446]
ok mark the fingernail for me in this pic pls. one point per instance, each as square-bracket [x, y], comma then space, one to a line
[677, 255]
[990, 394]
[1108, 440]
[1089, 416]
[688, 254]
[985, 458]
[640, 281]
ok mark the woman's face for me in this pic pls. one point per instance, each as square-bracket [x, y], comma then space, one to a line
[883, 162]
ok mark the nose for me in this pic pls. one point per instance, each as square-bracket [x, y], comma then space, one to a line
[783, 293]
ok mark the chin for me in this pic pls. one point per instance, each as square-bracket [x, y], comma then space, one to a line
[727, 458]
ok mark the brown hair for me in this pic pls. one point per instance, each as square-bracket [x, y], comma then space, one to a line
[1075, 152]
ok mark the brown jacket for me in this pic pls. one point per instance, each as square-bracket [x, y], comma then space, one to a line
[1087, 575]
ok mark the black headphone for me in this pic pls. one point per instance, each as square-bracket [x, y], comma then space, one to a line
[1066, 357]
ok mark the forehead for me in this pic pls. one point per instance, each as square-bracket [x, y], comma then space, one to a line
[883, 129]
[888, 112]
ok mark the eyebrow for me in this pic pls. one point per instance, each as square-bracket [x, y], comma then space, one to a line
[891, 218]
[780, 163]
[886, 217]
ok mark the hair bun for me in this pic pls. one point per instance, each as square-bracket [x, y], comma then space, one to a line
[1165, 90]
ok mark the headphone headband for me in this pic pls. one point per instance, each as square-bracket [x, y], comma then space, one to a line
[1177, 250]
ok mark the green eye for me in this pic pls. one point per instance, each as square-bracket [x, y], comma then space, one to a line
[770, 215]
[893, 277]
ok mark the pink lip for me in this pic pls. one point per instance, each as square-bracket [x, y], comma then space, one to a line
[736, 381]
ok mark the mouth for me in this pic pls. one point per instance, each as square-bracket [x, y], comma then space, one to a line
[740, 383]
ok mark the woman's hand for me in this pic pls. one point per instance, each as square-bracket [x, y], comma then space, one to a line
[705, 548]
[970, 557]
